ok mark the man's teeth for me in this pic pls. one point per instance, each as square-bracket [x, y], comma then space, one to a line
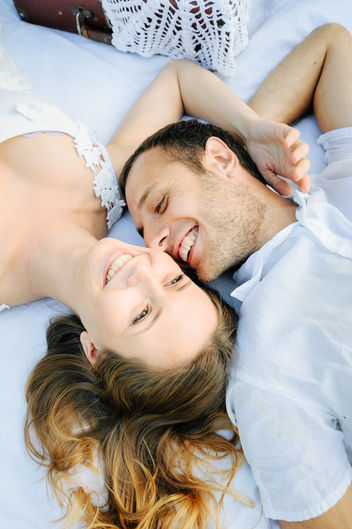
[187, 243]
[116, 265]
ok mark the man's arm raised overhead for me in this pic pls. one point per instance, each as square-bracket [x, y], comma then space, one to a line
[184, 87]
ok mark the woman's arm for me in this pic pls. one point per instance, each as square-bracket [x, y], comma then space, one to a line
[183, 87]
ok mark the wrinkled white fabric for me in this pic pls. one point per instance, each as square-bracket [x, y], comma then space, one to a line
[10, 76]
[210, 32]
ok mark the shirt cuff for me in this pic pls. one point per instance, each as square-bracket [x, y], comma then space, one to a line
[314, 511]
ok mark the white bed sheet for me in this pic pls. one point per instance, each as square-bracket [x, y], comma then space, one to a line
[96, 84]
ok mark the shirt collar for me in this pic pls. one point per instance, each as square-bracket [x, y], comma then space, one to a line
[250, 273]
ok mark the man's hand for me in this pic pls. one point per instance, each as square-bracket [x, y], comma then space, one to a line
[276, 150]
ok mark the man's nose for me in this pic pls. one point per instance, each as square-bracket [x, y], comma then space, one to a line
[157, 237]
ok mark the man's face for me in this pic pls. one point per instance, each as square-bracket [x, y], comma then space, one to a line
[206, 220]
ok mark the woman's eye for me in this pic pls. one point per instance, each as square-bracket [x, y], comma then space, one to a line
[143, 314]
[175, 280]
[161, 207]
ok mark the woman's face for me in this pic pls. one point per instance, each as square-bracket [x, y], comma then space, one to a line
[137, 302]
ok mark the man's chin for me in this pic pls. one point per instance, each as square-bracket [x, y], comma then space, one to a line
[208, 273]
[209, 270]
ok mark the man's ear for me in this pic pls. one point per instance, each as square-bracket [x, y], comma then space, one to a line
[89, 348]
[220, 157]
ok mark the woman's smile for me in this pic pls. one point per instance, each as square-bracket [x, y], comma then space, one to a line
[116, 265]
[146, 287]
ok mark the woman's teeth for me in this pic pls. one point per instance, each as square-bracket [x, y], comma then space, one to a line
[187, 243]
[116, 265]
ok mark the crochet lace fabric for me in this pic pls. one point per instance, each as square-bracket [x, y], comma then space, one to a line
[94, 153]
[210, 32]
[104, 183]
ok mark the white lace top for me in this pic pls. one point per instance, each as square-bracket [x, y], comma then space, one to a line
[23, 113]
[210, 32]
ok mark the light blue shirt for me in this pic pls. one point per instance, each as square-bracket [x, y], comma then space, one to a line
[290, 391]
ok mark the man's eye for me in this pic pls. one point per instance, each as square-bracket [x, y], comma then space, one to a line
[161, 207]
[175, 280]
[143, 314]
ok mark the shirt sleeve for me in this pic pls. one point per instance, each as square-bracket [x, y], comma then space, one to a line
[336, 178]
[295, 449]
[337, 144]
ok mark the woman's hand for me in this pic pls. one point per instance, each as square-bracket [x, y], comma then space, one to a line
[276, 150]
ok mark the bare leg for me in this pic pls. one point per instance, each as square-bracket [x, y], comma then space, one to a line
[317, 72]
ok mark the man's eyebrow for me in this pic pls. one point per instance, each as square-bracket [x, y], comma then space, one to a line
[145, 196]
[141, 204]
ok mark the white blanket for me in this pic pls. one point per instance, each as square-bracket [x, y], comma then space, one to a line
[96, 84]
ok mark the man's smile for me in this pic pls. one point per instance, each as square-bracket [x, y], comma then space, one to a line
[187, 243]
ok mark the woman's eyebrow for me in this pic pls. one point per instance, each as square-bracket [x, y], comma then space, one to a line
[150, 323]
[185, 285]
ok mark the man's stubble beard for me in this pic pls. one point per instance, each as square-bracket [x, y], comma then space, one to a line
[234, 221]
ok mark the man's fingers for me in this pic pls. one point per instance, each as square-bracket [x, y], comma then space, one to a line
[301, 165]
[283, 187]
[300, 176]
[280, 185]
[299, 151]
[291, 137]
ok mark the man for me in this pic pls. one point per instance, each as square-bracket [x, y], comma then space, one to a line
[291, 389]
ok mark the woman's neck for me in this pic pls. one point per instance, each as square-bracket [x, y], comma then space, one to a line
[58, 264]
[48, 266]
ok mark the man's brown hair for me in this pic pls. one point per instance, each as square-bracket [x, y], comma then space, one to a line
[184, 142]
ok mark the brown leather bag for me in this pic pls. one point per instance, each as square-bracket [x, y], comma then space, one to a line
[85, 17]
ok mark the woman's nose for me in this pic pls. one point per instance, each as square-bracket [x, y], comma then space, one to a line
[143, 275]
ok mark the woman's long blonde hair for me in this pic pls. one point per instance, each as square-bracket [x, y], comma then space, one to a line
[153, 430]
